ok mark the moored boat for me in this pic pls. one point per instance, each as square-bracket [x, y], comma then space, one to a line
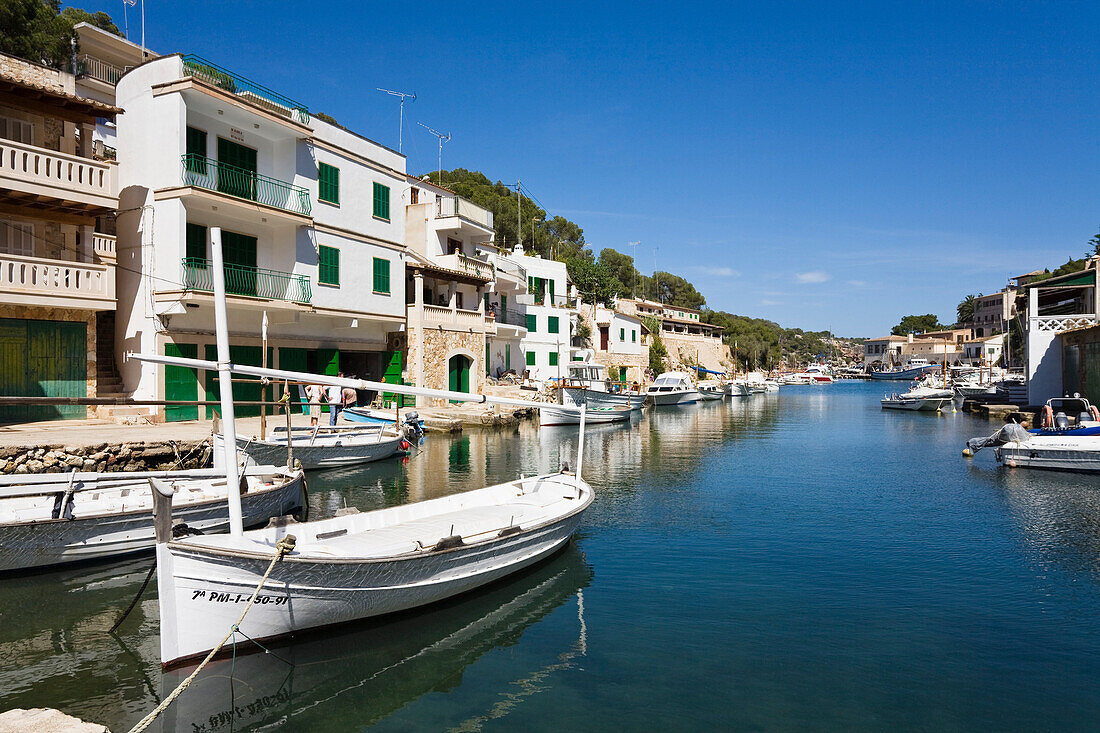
[320, 447]
[587, 383]
[921, 398]
[550, 415]
[710, 390]
[913, 369]
[672, 388]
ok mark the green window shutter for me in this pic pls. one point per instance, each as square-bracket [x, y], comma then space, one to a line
[532, 321]
[196, 244]
[328, 183]
[381, 275]
[633, 336]
[196, 150]
[552, 324]
[486, 302]
[507, 356]
[328, 265]
[551, 285]
[622, 334]
[530, 358]
[382, 201]
[553, 358]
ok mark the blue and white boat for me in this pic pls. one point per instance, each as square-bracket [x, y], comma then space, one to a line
[1070, 417]
[915, 368]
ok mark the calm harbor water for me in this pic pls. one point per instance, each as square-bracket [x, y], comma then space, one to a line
[784, 562]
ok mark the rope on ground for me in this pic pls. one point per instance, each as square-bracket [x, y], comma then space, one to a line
[282, 547]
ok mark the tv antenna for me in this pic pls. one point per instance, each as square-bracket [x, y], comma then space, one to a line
[401, 123]
[443, 138]
[634, 263]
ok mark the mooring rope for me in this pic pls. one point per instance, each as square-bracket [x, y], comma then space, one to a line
[282, 547]
[148, 577]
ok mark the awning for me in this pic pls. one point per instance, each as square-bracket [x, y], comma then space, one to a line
[701, 370]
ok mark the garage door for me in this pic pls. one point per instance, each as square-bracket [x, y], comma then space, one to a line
[42, 359]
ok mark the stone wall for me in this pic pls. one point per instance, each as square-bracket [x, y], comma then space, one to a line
[28, 73]
[684, 349]
[439, 344]
[63, 314]
[106, 457]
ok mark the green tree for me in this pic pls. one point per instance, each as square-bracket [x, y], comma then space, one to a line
[965, 309]
[34, 30]
[674, 290]
[594, 281]
[916, 324]
[99, 19]
[1095, 244]
[622, 268]
[658, 354]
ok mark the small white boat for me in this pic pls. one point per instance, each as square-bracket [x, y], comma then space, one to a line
[587, 383]
[672, 388]
[711, 390]
[551, 415]
[737, 388]
[914, 368]
[815, 374]
[320, 447]
[1015, 447]
[770, 386]
[55, 518]
[921, 398]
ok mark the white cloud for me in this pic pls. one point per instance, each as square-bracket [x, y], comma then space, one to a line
[770, 302]
[814, 276]
[857, 283]
[719, 271]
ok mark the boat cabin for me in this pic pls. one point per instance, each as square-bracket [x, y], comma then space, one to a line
[671, 382]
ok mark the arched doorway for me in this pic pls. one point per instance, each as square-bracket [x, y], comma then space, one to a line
[458, 373]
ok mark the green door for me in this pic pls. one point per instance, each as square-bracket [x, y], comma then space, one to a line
[293, 360]
[458, 369]
[236, 169]
[181, 383]
[239, 254]
[43, 359]
[245, 388]
[394, 365]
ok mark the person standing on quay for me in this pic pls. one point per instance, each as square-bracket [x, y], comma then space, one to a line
[313, 393]
[335, 402]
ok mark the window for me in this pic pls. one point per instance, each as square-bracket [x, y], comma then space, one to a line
[17, 130]
[382, 201]
[553, 358]
[552, 324]
[381, 275]
[507, 356]
[328, 183]
[454, 246]
[633, 336]
[196, 245]
[328, 265]
[530, 358]
[196, 150]
[532, 321]
[414, 196]
[622, 334]
[17, 238]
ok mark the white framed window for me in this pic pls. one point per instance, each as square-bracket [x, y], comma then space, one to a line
[17, 238]
[17, 130]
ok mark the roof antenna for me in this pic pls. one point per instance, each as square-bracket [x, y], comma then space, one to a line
[442, 139]
[401, 123]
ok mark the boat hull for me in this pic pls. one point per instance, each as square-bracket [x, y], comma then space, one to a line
[549, 416]
[1054, 455]
[315, 456]
[678, 397]
[921, 404]
[203, 590]
[46, 543]
[709, 396]
[596, 398]
[904, 374]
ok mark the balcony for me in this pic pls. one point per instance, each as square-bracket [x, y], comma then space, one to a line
[449, 319]
[508, 323]
[460, 207]
[199, 68]
[26, 169]
[56, 283]
[91, 68]
[467, 264]
[555, 301]
[248, 281]
[213, 175]
[1059, 323]
[104, 248]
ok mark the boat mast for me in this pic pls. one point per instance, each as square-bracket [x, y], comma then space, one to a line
[225, 386]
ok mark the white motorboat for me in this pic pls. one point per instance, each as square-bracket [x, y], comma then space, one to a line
[286, 579]
[814, 374]
[320, 447]
[921, 398]
[914, 368]
[770, 386]
[1015, 447]
[711, 390]
[672, 388]
[54, 519]
[587, 383]
[550, 415]
[737, 388]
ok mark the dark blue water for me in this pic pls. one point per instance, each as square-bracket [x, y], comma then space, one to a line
[787, 562]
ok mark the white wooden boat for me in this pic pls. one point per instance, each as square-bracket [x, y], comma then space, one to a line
[321, 447]
[922, 398]
[54, 519]
[672, 388]
[549, 416]
[352, 566]
[710, 391]
[587, 383]
[770, 386]
[737, 388]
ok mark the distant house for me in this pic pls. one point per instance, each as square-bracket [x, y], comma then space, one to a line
[993, 312]
[1054, 306]
[984, 351]
[618, 340]
[882, 353]
[688, 339]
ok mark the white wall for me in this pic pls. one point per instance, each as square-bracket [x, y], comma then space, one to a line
[1044, 365]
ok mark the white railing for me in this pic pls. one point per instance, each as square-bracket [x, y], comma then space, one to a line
[37, 276]
[103, 246]
[459, 319]
[458, 206]
[67, 174]
[511, 267]
[87, 66]
[465, 263]
[1063, 323]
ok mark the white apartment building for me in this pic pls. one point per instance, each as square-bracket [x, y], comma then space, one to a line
[984, 351]
[312, 222]
[619, 340]
[446, 286]
[550, 309]
[883, 353]
[505, 311]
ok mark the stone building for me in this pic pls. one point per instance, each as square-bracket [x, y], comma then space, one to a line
[687, 338]
[57, 267]
[618, 340]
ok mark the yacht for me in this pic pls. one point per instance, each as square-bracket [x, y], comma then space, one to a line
[914, 368]
[673, 388]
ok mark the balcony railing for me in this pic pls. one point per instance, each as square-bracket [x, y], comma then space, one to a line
[88, 67]
[556, 301]
[243, 280]
[56, 278]
[458, 206]
[199, 68]
[69, 176]
[104, 248]
[508, 317]
[511, 267]
[465, 263]
[457, 319]
[217, 176]
[1061, 323]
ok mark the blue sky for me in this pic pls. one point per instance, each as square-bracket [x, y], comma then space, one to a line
[824, 165]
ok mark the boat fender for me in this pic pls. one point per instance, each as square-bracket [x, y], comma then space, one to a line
[1048, 417]
[509, 531]
[405, 444]
[1095, 412]
[448, 543]
[181, 529]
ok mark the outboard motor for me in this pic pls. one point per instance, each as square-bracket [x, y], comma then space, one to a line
[412, 424]
[1061, 421]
